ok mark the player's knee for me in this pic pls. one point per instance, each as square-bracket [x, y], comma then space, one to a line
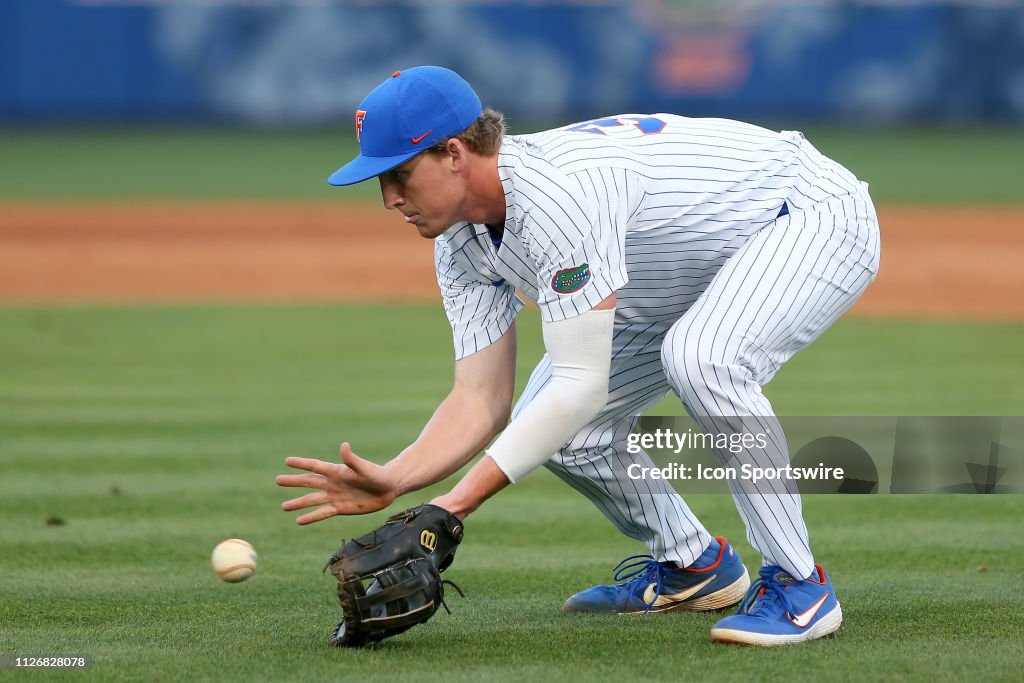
[685, 358]
[704, 373]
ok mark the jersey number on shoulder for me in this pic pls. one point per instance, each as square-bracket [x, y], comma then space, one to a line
[648, 125]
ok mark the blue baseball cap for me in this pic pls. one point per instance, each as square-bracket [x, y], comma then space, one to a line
[405, 115]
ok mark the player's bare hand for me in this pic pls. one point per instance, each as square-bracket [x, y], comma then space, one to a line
[352, 487]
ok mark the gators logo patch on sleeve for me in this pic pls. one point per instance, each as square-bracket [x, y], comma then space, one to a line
[569, 280]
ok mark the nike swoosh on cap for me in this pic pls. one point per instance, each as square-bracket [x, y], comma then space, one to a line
[802, 620]
[416, 141]
[674, 597]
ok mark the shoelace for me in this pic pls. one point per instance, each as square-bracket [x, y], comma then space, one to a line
[765, 594]
[639, 569]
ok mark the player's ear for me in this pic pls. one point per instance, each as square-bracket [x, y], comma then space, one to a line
[457, 154]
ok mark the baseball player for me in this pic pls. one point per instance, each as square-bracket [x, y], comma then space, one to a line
[664, 253]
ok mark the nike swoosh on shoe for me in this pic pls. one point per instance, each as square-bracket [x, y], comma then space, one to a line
[805, 618]
[662, 600]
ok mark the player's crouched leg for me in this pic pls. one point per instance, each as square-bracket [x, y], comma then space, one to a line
[716, 580]
[780, 610]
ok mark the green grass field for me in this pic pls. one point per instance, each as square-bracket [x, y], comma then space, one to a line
[153, 433]
[903, 164]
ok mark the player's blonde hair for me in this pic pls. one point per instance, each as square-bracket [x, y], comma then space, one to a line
[482, 137]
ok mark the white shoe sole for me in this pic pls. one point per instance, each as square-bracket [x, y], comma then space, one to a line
[827, 625]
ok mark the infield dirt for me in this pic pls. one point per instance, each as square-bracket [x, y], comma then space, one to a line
[952, 262]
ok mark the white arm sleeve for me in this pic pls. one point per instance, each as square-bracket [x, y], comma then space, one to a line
[580, 349]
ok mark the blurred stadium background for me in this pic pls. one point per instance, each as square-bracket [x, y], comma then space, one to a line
[107, 102]
[184, 302]
[267, 61]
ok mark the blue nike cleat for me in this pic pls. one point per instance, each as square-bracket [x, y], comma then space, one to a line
[780, 610]
[716, 580]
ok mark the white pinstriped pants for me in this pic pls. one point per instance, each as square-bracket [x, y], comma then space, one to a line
[773, 297]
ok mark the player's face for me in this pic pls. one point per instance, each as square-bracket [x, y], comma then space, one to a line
[425, 191]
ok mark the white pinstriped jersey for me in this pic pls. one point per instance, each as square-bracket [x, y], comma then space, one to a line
[649, 206]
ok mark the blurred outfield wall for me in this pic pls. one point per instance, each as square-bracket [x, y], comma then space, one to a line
[310, 61]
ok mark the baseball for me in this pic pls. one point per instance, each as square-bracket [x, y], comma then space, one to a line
[234, 560]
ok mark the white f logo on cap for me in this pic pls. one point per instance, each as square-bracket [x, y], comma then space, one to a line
[360, 115]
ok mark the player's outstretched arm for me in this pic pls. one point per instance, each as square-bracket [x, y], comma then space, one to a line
[476, 409]
[580, 353]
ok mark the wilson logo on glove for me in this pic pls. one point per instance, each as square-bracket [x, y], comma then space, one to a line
[390, 579]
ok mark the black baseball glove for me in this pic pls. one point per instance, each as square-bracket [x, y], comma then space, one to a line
[390, 579]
